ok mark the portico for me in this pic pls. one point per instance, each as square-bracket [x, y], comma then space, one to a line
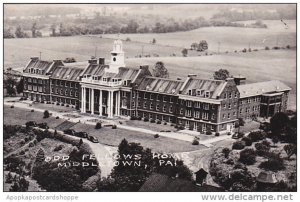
[100, 101]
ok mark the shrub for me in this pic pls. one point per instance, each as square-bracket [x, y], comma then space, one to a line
[58, 148]
[217, 134]
[132, 118]
[156, 136]
[274, 163]
[146, 119]
[226, 152]
[22, 152]
[228, 133]
[158, 122]
[261, 149]
[267, 48]
[46, 114]
[239, 145]
[165, 123]
[32, 110]
[12, 106]
[266, 143]
[67, 105]
[195, 142]
[114, 127]
[138, 118]
[255, 136]
[57, 117]
[247, 140]
[288, 47]
[276, 48]
[31, 144]
[248, 156]
[208, 132]
[57, 103]
[152, 121]
[98, 125]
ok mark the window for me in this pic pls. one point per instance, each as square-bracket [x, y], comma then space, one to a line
[171, 109]
[249, 100]
[157, 107]
[61, 83]
[145, 105]
[188, 103]
[151, 105]
[197, 104]
[197, 114]
[200, 92]
[56, 90]
[225, 95]
[124, 94]
[66, 92]
[158, 97]
[236, 94]
[57, 82]
[61, 91]
[223, 116]
[150, 116]
[213, 116]
[139, 104]
[188, 113]
[228, 115]
[133, 104]
[205, 115]
[229, 106]
[52, 90]
[234, 104]
[133, 94]
[224, 106]
[181, 111]
[230, 95]
[234, 113]
[164, 99]
[171, 99]
[247, 110]
[29, 80]
[151, 96]
[207, 94]
[164, 108]
[190, 92]
[124, 103]
[66, 84]
[76, 94]
[139, 94]
[145, 95]
[206, 106]
[212, 106]
[241, 111]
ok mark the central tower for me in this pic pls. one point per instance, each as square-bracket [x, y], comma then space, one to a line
[117, 58]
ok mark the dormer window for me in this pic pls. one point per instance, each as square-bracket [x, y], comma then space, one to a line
[95, 78]
[105, 79]
[173, 91]
[190, 92]
[86, 76]
[147, 87]
[200, 92]
[207, 94]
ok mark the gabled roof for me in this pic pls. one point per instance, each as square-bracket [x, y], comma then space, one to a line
[163, 183]
[160, 85]
[42, 65]
[254, 89]
[71, 73]
[215, 87]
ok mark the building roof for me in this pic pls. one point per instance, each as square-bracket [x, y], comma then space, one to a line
[254, 89]
[160, 85]
[215, 87]
[42, 65]
[71, 73]
[163, 183]
[266, 177]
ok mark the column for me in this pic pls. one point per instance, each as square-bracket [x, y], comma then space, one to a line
[100, 103]
[108, 104]
[82, 98]
[116, 106]
[119, 103]
[112, 104]
[92, 101]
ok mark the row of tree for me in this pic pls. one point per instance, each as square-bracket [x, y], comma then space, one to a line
[20, 33]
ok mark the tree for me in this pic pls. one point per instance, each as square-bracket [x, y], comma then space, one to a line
[7, 34]
[194, 46]
[221, 74]
[80, 142]
[248, 156]
[9, 178]
[278, 123]
[40, 156]
[274, 163]
[238, 145]
[184, 52]
[53, 30]
[20, 33]
[160, 70]
[20, 86]
[33, 30]
[275, 140]
[290, 149]
[46, 114]
[202, 46]
[153, 41]
[240, 123]
[226, 152]
[10, 84]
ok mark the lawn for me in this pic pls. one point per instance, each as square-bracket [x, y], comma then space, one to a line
[149, 126]
[18, 116]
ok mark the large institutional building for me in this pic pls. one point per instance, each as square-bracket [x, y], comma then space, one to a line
[114, 90]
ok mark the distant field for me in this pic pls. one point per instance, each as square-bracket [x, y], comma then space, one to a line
[230, 38]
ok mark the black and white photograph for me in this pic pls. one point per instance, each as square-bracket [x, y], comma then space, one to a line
[149, 97]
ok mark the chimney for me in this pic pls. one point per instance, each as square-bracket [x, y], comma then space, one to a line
[92, 61]
[239, 80]
[192, 75]
[34, 58]
[178, 79]
[101, 61]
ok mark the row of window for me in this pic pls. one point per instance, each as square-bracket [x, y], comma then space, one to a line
[249, 100]
[204, 115]
[228, 116]
[151, 106]
[64, 92]
[230, 95]
[35, 71]
[248, 109]
[63, 100]
[35, 88]
[64, 83]
[158, 97]
[229, 105]
[34, 80]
